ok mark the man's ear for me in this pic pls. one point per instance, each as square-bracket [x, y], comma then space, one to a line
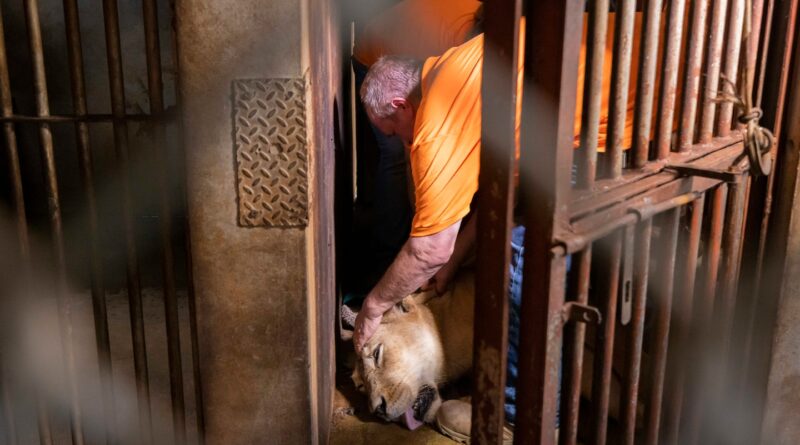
[399, 103]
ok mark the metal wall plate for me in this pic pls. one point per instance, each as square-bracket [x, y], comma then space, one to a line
[269, 137]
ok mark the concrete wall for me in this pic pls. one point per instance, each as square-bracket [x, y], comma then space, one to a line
[265, 349]
[781, 425]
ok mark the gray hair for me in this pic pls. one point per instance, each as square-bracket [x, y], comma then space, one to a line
[388, 78]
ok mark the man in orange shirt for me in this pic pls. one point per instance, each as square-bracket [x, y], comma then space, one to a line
[434, 108]
[383, 210]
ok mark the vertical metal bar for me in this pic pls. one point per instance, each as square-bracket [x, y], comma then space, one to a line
[761, 60]
[11, 149]
[552, 47]
[620, 75]
[634, 359]
[54, 208]
[669, 77]
[190, 291]
[78, 87]
[722, 325]
[6, 408]
[692, 414]
[713, 66]
[156, 96]
[574, 337]
[732, 54]
[682, 318]
[498, 89]
[113, 54]
[648, 57]
[662, 295]
[603, 361]
[190, 295]
[691, 84]
[592, 92]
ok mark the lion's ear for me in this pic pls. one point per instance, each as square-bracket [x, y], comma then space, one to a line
[403, 307]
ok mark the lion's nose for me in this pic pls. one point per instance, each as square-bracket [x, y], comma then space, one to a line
[381, 409]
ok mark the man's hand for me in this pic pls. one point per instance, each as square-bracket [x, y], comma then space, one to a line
[441, 280]
[366, 325]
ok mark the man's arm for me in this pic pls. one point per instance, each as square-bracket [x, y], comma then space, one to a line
[465, 246]
[418, 260]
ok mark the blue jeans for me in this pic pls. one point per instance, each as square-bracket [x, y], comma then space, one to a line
[515, 301]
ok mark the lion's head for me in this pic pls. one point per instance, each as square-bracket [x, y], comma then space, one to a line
[401, 366]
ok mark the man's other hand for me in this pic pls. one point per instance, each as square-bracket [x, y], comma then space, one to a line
[441, 281]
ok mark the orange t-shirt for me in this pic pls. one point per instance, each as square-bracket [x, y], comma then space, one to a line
[445, 152]
[416, 28]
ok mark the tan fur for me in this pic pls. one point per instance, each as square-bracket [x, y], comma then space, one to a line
[427, 340]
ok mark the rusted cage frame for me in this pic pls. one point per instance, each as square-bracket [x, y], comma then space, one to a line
[81, 118]
[663, 185]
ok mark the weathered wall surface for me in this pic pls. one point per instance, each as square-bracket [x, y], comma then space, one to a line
[254, 297]
[781, 425]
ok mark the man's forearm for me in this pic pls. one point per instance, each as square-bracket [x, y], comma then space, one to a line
[418, 260]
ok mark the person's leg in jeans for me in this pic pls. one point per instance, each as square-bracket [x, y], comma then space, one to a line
[515, 301]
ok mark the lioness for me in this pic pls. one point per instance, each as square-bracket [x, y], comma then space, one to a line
[424, 342]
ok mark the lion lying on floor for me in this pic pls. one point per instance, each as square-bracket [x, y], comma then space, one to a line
[422, 343]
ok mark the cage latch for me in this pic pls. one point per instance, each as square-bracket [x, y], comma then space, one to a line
[731, 175]
[583, 313]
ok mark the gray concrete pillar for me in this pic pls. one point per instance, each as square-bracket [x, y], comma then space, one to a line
[254, 201]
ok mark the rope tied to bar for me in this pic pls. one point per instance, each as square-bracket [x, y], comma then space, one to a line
[757, 139]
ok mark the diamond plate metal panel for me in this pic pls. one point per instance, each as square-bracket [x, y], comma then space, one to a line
[271, 152]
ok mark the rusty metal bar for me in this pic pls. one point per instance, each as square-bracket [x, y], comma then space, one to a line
[643, 117]
[669, 77]
[190, 296]
[74, 118]
[54, 207]
[763, 53]
[574, 337]
[691, 85]
[692, 414]
[499, 87]
[592, 93]
[713, 67]
[663, 300]
[156, 96]
[634, 358]
[620, 75]
[724, 307]
[682, 317]
[553, 34]
[753, 52]
[6, 109]
[6, 408]
[603, 360]
[732, 56]
[78, 87]
[113, 54]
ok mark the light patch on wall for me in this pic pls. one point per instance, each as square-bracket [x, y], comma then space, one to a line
[269, 138]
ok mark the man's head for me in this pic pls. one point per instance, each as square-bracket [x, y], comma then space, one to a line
[391, 93]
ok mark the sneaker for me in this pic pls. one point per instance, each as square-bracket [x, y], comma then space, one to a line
[454, 420]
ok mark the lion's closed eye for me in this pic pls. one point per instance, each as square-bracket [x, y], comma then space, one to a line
[377, 356]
